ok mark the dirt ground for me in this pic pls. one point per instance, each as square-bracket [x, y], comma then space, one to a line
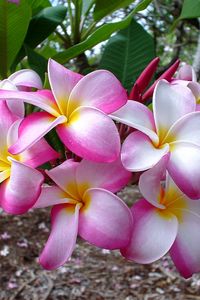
[92, 273]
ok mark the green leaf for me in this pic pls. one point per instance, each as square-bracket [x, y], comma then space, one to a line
[40, 27]
[37, 5]
[105, 7]
[14, 21]
[127, 53]
[43, 24]
[37, 62]
[100, 35]
[190, 9]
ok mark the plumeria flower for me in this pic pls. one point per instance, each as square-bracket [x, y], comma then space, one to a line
[173, 127]
[78, 108]
[23, 80]
[20, 182]
[84, 204]
[166, 220]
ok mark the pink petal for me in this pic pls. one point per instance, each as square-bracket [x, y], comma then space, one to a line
[186, 72]
[195, 88]
[6, 120]
[99, 89]
[186, 129]
[62, 82]
[91, 134]
[19, 193]
[105, 220]
[171, 102]
[52, 195]
[139, 154]
[185, 251]
[33, 128]
[34, 98]
[153, 234]
[138, 116]
[15, 106]
[150, 182]
[37, 154]
[62, 239]
[183, 167]
[27, 78]
[110, 176]
[64, 176]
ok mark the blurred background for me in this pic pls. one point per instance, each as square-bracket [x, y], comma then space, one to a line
[85, 35]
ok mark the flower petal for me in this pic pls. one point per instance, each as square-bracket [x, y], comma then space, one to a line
[19, 193]
[105, 220]
[64, 176]
[6, 120]
[110, 176]
[62, 239]
[99, 89]
[62, 82]
[28, 78]
[15, 106]
[153, 233]
[186, 72]
[138, 116]
[91, 134]
[139, 154]
[176, 100]
[186, 129]
[195, 88]
[185, 251]
[34, 98]
[150, 182]
[52, 195]
[37, 154]
[33, 128]
[183, 167]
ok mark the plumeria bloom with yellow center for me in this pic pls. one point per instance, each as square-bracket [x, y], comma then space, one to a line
[78, 109]
[173, 127]
[20, 182]
[84, 204]
[23, 80]
[166, 220]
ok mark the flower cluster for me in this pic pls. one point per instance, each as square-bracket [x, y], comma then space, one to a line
[92, 115]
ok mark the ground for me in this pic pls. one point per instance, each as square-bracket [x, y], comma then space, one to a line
[92, 273]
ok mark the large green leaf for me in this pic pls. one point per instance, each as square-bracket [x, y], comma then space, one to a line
[37, 5]
[14, 21]
[128, 52]
[101, 34]
[40, 27]
[43, 24]
[190, 9]
[105, 7]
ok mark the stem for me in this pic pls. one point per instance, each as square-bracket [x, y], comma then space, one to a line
[71, 16]
[88, 31]
[77, 22]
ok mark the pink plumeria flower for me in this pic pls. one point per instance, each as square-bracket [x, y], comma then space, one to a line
[20, 182]
[84, 204]
[23, 80]
[166, 220]
[78, 108]
[173, 127]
